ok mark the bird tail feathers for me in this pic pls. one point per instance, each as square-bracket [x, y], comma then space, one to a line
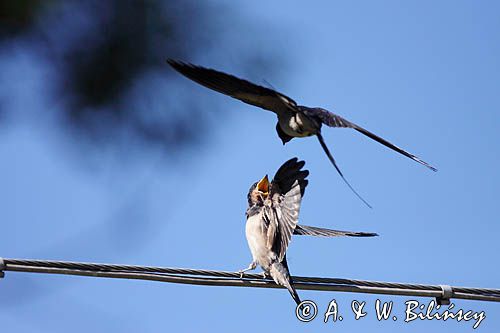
[332, 160]
[280, 274]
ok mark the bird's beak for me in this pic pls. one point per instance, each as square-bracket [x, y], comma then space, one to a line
[263, 186]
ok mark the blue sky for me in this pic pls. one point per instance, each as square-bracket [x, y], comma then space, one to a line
[423, 75]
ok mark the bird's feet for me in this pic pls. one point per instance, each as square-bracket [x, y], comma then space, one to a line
[249, 268]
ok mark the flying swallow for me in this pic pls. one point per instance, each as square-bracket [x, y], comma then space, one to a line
[294, 121]
[272, 217]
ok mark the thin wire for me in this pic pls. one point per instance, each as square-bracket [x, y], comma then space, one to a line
[222, 278]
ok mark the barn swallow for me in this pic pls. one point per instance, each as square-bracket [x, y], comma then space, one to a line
[272, 217]
[294, 121]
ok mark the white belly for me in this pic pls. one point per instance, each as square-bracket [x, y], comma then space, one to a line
[297, 125]
[256, 234]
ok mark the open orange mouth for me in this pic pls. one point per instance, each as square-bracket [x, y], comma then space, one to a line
[263, 186]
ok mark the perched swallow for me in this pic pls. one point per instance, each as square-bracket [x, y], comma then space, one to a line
[272, 217]
[293, 120]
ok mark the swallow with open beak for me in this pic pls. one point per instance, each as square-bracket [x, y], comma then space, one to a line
[294, 121]
[272, 219]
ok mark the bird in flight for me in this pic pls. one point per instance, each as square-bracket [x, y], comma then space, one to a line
[294, 121]
[272, 217]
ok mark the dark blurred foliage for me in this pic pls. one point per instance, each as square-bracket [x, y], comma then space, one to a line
[109, 57]
[18, 16]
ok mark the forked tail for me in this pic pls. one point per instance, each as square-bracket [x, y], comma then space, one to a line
[280, 274]
[330, 157]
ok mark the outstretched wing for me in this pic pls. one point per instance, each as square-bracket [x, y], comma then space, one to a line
[286, 176]
[331, 119]
[235, 87]
[323, 232]
[283, 205]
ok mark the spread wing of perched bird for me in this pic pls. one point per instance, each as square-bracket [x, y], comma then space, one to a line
[272, 219]
[324, 232]
[293, 120]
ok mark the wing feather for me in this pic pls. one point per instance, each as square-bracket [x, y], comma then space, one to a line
[230, 85]
[283, 204]
[332, 120]
[324, 232]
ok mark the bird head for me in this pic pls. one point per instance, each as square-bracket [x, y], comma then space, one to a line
[259, 191]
